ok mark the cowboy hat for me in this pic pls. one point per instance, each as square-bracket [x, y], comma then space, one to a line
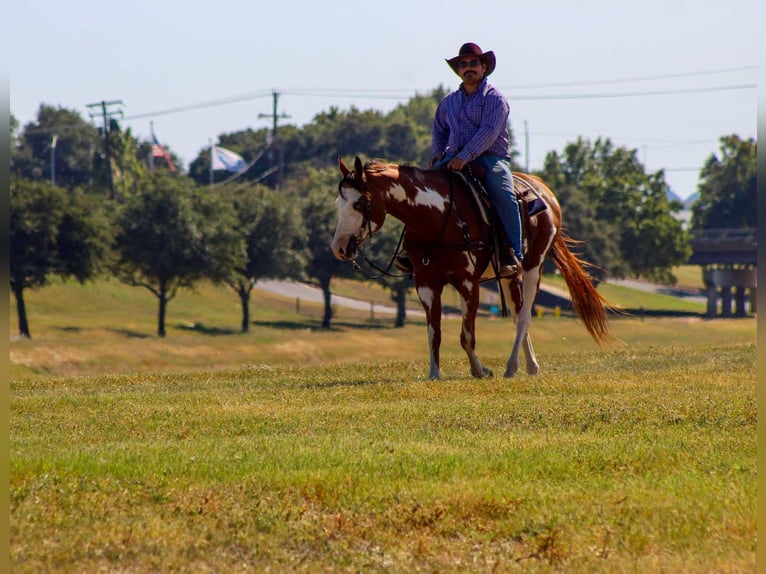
[471, 49]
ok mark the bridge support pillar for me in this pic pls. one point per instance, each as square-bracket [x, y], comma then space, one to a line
[732, 283]
[753, 299]
[725, 301]
[712, 301]
[739, 301]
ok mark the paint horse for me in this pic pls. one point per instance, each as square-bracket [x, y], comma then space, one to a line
[447, 241]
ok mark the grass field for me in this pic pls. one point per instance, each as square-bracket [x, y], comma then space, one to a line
[297, 449]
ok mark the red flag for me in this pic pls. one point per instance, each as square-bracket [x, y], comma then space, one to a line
[159, 151]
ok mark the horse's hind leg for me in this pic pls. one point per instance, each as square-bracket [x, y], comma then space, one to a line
[469, 298]
[523, 318]
[432, 305]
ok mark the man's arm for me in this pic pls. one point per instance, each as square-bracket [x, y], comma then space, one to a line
[439, 131]
[494, 121]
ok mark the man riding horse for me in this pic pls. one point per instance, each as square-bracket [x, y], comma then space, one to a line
[470, 125]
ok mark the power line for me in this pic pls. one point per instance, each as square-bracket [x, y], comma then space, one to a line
[380, 95]
[633, 79]
[633, 94]
[202, 105]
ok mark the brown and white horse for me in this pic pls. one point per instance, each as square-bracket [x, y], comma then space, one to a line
[447, 241]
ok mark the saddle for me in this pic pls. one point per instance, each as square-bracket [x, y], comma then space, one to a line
[530, 203]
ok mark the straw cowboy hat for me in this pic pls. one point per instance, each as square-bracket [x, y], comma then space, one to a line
[471, 49]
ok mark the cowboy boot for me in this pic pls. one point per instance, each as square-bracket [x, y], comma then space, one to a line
[509, 266]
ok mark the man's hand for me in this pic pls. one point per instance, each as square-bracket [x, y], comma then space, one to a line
[456, 164]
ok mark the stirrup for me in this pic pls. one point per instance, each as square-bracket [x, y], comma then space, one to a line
[509, 266]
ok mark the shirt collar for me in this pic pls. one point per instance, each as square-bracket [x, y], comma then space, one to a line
[482, 88]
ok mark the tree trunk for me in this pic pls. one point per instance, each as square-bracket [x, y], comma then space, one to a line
[244, 298]
[163, 306]
[400, 296]
[21, 310]
[325, 285]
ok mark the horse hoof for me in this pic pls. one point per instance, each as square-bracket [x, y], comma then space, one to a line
[484, 373]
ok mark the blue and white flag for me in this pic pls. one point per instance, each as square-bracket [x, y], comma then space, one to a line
[228, 160]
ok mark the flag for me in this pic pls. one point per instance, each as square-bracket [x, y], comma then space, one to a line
[228, 160]
[159, 151]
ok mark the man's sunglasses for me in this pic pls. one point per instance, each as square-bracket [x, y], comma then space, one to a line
[468, 63]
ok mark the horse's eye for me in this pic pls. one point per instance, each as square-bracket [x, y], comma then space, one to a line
[357, 206]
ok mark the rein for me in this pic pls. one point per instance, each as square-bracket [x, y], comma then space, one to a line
[382, 272]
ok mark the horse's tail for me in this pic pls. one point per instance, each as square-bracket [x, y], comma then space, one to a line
[588, 303]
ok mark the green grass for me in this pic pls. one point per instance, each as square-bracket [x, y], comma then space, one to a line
[610, 462]
[297, 449]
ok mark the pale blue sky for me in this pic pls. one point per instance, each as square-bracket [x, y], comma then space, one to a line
[156, 56]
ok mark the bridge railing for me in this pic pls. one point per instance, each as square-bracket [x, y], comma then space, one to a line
[724, 239]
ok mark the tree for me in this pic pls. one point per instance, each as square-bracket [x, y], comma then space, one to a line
[171, 235]
[728, 193]
[76, 141]
[652, 240]
[53, 232]
[127, 169]
[270, 227]
[621, 206]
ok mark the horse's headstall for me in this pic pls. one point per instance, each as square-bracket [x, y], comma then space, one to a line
[363, 203]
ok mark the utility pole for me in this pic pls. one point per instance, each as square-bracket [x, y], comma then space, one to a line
[107, 115]
[526, 147]
[274, 153]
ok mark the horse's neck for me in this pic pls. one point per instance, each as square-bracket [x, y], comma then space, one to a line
[416, 204]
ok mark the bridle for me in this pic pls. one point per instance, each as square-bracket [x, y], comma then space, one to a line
[363, 206]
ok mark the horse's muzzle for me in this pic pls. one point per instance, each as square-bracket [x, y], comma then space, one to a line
[347, 252]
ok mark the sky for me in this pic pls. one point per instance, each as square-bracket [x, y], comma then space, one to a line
[667, 78]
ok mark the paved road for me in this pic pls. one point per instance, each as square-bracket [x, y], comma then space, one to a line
[314, 294]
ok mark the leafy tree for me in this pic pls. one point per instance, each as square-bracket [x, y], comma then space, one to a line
[171, 235]
[728, 193]
[270, 227]
[626, 208]
[652, 240]
[76, 142]
[53, 232]
[128, 170]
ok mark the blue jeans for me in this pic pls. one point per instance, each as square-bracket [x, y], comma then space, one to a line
[499, 184]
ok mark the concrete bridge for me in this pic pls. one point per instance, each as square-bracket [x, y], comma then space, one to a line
[728, 258]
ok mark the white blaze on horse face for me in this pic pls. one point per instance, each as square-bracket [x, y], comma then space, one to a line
[349, 221]
[425, 197]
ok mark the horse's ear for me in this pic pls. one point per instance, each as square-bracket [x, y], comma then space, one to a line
[343, 169]
[358, 169]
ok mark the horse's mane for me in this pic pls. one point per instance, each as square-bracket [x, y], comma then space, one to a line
[378, 165]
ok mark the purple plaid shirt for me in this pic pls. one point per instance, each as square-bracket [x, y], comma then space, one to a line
[472, 124]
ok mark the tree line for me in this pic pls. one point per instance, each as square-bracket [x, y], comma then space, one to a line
[128, 216]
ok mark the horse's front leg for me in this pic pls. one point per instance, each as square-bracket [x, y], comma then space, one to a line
[469, 299]
[431, 300]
